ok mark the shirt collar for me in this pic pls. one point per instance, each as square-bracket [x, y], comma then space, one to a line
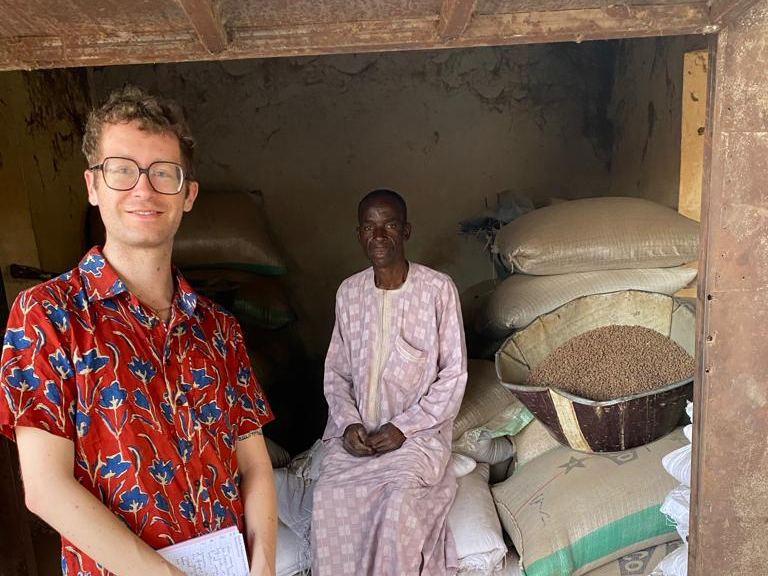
[101, 282]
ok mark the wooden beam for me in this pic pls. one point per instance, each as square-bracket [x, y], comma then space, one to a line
[369, 36]
[454, 18]
[203, 16]
[725, 11]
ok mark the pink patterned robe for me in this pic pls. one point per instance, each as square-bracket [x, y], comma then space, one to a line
[395, 356]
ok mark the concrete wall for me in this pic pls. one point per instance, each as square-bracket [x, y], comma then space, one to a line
[43, 200]
[448, 129]
[646, 108]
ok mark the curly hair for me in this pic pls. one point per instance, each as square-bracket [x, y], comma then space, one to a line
[154, 114]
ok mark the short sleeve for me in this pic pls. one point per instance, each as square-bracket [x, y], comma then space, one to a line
[253, 411]
[37, 379]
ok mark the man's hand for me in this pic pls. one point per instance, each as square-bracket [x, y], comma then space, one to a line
[388, 438]
[356, 440]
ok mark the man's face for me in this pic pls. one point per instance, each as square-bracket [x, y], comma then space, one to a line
[139, 217]
[382, 232]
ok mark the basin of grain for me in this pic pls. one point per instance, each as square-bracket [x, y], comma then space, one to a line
[585, 393]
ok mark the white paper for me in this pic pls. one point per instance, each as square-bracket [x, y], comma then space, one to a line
[220, 553]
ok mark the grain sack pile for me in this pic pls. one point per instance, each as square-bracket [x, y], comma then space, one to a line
[677, 504]
[583, 247]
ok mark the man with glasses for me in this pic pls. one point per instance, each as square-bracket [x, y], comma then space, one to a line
[137, 417]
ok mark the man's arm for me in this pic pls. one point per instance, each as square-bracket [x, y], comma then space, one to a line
[257, 490]
[442, 400]
[52, 492]
[339, 389]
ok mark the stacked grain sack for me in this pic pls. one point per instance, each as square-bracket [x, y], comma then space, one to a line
[584, 247]
[678, 503]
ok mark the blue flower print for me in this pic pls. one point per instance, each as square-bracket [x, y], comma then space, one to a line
[90, 362]
[165, 408]
[161, 503]
[229, 489]
[187, 509]
[142, 369]
[58, 316]
[112, 397]
[15, 339]
[231, 394]
[141, 316]
[162, 471]
[200, 378]
[140, 400]
[63, 567]
[243, 375]
[197, 332]
[110, 304]
[219, 512]
[187, 302]
[133, 500]
[246, 402]
[53, 393]
[179, 329]
[209, 413]
[93, 265]
[219, 344]
[227, 438]
[184, 448]
[116, 288]
[61, 365]
[82, 423]
[23, 379]
[261, 406]
[80, 300]
[114, 467]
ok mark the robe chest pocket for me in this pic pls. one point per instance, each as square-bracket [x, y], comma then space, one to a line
[405, 366]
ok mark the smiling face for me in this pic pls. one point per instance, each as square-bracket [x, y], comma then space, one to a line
[140, 217]
[382, 232]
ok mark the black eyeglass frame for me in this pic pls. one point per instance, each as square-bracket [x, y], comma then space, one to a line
[145, 171]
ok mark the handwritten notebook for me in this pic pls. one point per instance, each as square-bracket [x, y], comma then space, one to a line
[220, 553]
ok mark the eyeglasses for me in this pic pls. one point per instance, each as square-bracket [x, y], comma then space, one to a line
[123, 174]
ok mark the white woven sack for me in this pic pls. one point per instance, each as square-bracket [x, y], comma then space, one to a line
[475, 524]
[534, 440]
[487, 450]
[676, 564]
[606, 233]
[678, 464]
[677, 506]
[484, 397]
[293, 554]
[520, 299]
[510, 567]
[461, 465]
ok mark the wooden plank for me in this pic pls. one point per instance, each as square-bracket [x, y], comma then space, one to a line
[454, 18]
[207, 24]
[724, 11]
[370, 36]
[730, 454]
[692, 128]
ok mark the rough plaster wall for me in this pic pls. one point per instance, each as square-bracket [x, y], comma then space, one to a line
[646, 110]
[43, 199]
[448, 129]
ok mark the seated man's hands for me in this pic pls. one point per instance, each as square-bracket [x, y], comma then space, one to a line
[357, 441]
[388, 438]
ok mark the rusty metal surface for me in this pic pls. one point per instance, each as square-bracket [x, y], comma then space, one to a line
[48, 34]
[730, 454]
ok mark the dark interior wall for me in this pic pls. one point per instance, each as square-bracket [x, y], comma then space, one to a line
[448, 129]
[42, 115]
[645, 110]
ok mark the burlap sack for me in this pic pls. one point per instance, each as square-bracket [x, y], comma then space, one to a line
[531, 442]
[484, 397]
[227, 230]
[568, 512]
[638, 563]
[522, 298]
[598, 234]
[254, 299]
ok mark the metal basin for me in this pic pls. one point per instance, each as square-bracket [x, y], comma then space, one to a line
[600, 426]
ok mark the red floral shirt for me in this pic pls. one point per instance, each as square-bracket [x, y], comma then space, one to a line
[154, 411]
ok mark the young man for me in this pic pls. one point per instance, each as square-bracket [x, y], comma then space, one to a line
[131, 399]
[394, 380]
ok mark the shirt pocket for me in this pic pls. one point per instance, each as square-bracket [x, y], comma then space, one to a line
[405, 366]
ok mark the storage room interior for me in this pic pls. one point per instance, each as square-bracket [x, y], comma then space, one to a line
[453, 131]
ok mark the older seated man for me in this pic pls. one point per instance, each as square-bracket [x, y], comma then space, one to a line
[394, 379]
